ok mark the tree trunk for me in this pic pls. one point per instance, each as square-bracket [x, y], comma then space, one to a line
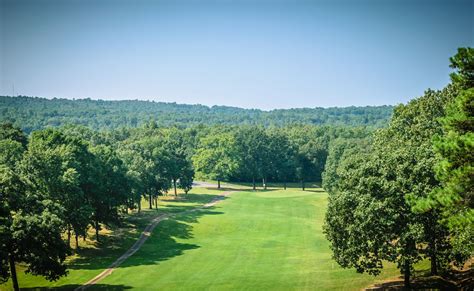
[174, 185]
[284, 185]
[97, 230]
[77, 241]
[264, 180]
[140, 204]
[13, 272]
[218, 184]
[156, 202]
[150, 201]
[407, 274]
[69, 235]
[302, 184]
[434, 263]
[253, 182]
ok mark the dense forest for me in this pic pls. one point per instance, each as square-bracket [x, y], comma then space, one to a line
[32, 113]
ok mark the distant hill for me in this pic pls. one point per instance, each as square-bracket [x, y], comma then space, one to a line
[31, 113]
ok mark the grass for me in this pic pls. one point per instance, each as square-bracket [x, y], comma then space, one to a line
[252, 240]
[93, 257]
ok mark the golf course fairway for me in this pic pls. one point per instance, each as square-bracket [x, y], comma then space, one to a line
[253, 240]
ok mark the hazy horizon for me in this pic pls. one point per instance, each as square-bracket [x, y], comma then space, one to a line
[197, 104]
[247, 54]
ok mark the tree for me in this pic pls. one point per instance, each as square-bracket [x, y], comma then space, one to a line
[30, 228]
[180, 159]
[463, 63]
[9, 131]
[111, 187]
[60, 165]
[251, 148]
[186, 179]
[369, 215]
[216, 157]
[454, 148]
[311, 144]
[338, 150]
[281, 156]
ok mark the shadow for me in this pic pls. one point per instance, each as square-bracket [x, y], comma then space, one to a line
[452, 280]
[225, 189]
[278, 186]
[74, 286]
[165, 242]
[316, 191]
[198, 198]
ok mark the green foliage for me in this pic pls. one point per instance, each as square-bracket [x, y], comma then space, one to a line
[216, 156]
[454, 149]
[341, 149]
[369, 218]
[10, 132]
[32, 113]
[31, 225]
[463, 62]
[186, 179]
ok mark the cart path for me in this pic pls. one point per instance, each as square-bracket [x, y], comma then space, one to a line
[143, 237]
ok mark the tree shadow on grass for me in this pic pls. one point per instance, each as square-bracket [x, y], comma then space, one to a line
[194, 198]
[223, 189]
[452, 280]
[315, 190]
[161, 245]
[74, 286]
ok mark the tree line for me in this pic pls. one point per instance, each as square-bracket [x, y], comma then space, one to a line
[34, 113]
[405, 193]
[258, 154]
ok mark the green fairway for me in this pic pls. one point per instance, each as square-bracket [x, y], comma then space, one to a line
[252, 240]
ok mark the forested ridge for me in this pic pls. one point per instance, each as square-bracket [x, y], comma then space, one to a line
[32, 113]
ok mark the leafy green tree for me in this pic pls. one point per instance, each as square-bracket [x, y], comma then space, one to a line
[216, 157]
[369, 216]
[463, 63]
[179, 161]
[137, 165]
[9, 131]
[454, 148]
[337, 152]
[60, 165]
[281, 156]
[455, 170]
[111, 187]
[311, 145]
[252, 150]
[186, 179]
[31, 227]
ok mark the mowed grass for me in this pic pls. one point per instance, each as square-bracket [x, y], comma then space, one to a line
[93, 257]
[263, 240]
[254, 240]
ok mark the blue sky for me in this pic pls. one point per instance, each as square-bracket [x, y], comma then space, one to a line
[251, 54]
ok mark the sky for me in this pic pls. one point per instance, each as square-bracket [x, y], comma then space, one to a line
[250, 54]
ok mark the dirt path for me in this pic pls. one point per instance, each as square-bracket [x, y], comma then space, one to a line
[143, 237]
